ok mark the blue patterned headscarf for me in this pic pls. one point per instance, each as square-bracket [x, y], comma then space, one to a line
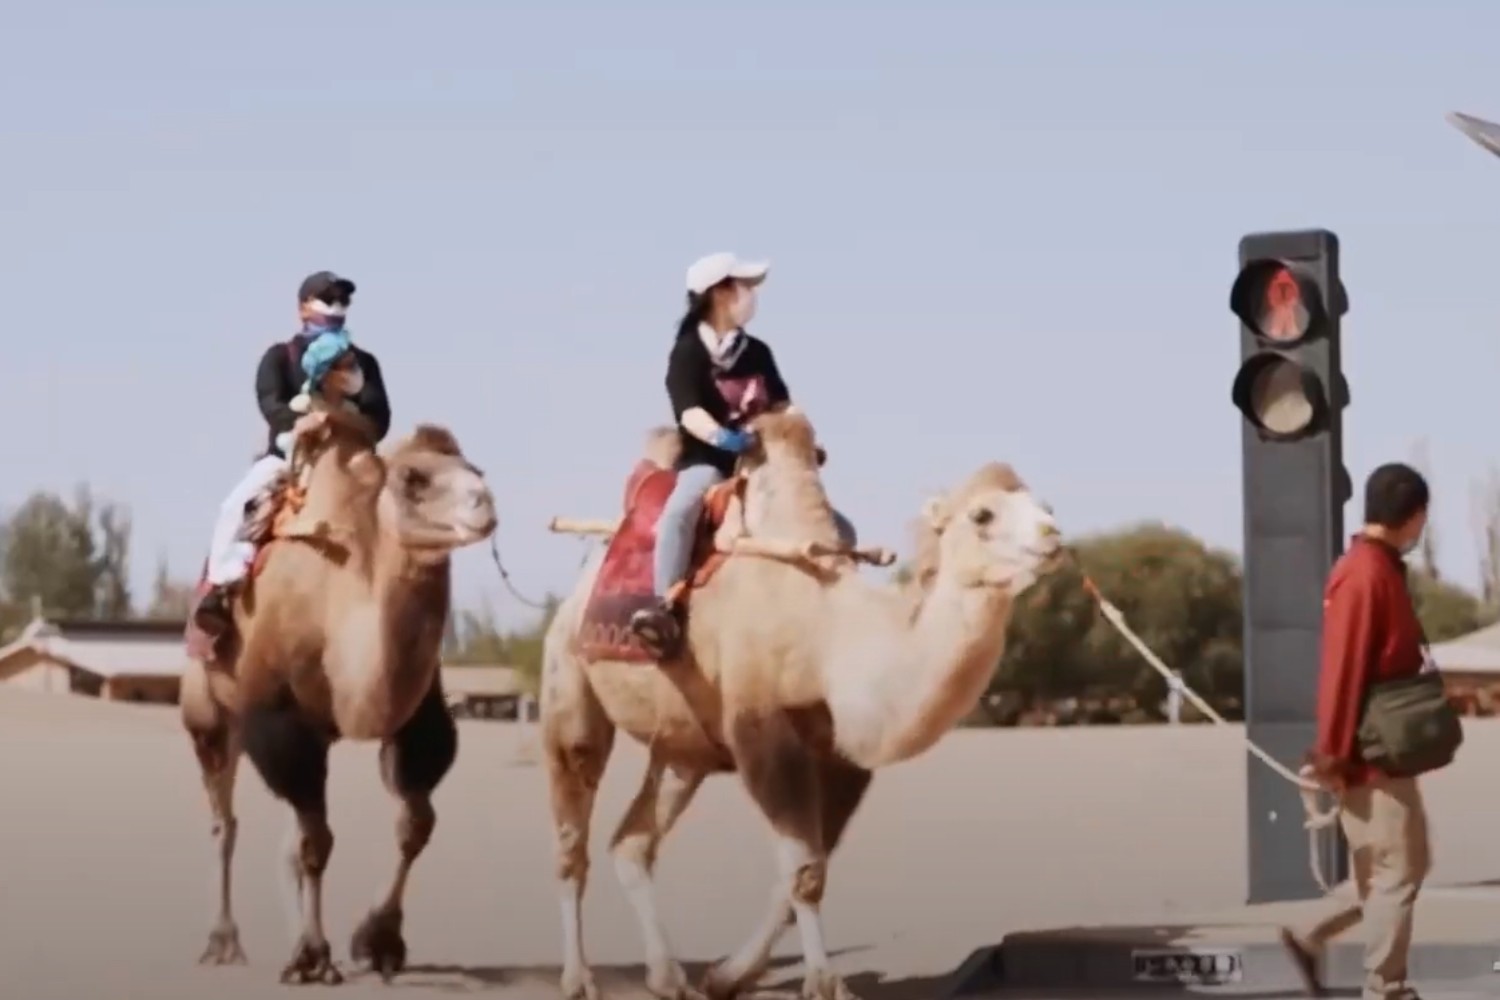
[321, 354]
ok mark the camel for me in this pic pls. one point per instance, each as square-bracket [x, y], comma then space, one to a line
[796, 674]
[338, 636]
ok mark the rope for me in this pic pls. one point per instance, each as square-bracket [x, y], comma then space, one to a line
[505, 574]
[505, 578]
[1315, 819]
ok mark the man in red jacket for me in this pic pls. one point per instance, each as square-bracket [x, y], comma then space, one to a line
[1370, 634]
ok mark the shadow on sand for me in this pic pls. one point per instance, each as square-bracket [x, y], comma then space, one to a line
[629, 980]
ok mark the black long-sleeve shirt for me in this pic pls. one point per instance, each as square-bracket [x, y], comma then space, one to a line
[279, 379]
[731, 396]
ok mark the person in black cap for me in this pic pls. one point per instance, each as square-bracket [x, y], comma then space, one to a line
[323, 303]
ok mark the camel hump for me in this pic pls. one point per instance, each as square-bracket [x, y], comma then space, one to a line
[663, 447]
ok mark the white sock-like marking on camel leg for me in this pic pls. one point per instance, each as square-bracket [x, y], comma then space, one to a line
[792, 856]
[570, 901]
[639, 890]
[756, 952]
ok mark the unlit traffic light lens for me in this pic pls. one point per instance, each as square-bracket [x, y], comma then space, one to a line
[1278, 398]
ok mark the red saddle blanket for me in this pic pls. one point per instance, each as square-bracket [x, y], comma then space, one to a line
[200, 645]
[624, 584]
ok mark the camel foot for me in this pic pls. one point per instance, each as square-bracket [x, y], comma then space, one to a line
[378, 944]
[825, 986]
[669, 982]
[312, 962]
[579, 985]
[223, 946]
[717, 985]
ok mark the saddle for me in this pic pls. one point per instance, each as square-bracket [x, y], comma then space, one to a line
[625, 584]
[270, 515]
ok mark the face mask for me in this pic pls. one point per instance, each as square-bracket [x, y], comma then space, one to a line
[320, 316]
[1412, 545]
[743, 310]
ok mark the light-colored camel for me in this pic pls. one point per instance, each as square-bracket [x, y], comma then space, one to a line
[338, 636]
[799, 676]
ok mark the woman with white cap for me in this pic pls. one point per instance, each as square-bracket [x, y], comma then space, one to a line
[718, 377]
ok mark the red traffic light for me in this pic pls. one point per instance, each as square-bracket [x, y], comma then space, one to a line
[1280, 398]
[1279, 303]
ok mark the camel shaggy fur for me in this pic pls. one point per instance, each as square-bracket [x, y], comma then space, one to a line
[338, 636]
[800, 677]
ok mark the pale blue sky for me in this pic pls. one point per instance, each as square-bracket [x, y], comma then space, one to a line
[998, 230]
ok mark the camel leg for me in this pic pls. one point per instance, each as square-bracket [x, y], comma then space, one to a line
[664, 794]
[798, 793]
[217, 746]
[843, 788]
[577, 738]
[292, 757]
[412, 763]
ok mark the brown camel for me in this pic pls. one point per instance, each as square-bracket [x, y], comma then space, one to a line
[797, 674]
[338, 636]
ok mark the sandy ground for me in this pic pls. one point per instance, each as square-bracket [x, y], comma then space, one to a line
[106, 861]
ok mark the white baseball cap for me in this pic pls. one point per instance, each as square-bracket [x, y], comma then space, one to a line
[706, 272]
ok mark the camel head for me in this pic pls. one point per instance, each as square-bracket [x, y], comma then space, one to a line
[433, 497]
[989, 532]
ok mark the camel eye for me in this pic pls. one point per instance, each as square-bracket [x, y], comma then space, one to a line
[981, 516]
[414, 481]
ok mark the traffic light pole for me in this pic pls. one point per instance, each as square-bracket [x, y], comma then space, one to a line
[1291, 391]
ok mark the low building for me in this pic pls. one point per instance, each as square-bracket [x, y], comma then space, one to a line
[1471, 670]
[485, 691]
[116, 660]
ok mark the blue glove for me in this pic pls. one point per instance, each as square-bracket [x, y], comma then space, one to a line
[731, 440]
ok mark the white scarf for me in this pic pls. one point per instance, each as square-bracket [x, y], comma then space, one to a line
[726, 351]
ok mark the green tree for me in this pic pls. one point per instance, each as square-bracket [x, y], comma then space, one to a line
[473, 637]
[171, 600]
[71, 560]
[1447, 610]
[1179, 596]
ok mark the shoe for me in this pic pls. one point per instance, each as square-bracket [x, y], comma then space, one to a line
[214, 614]
[657, 627]
[1305, 961]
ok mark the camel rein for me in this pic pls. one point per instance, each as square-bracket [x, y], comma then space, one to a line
[1315, 818]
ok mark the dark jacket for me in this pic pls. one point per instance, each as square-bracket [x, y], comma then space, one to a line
[731, 396]
[279, 380]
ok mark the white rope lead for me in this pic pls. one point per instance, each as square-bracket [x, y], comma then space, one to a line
[1315, 818]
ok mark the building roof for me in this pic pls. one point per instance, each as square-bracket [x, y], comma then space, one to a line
[102, 648]
[1475, 653]
[481, 679]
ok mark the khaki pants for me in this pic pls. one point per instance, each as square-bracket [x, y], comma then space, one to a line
[1385, 823]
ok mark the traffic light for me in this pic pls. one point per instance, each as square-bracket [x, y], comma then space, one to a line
[1291, 394]
[1289, 300]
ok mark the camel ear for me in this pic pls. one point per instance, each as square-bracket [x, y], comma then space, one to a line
[936, 513]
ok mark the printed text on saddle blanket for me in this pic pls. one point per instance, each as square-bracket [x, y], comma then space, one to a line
[624, 584]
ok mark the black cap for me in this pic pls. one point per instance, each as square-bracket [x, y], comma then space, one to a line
[323, 285]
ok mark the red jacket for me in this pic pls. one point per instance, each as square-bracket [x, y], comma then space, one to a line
[1370, 633]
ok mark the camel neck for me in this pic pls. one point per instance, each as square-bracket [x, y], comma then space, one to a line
[930, 671]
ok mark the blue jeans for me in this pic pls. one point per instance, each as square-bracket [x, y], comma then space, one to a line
[678, 525]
